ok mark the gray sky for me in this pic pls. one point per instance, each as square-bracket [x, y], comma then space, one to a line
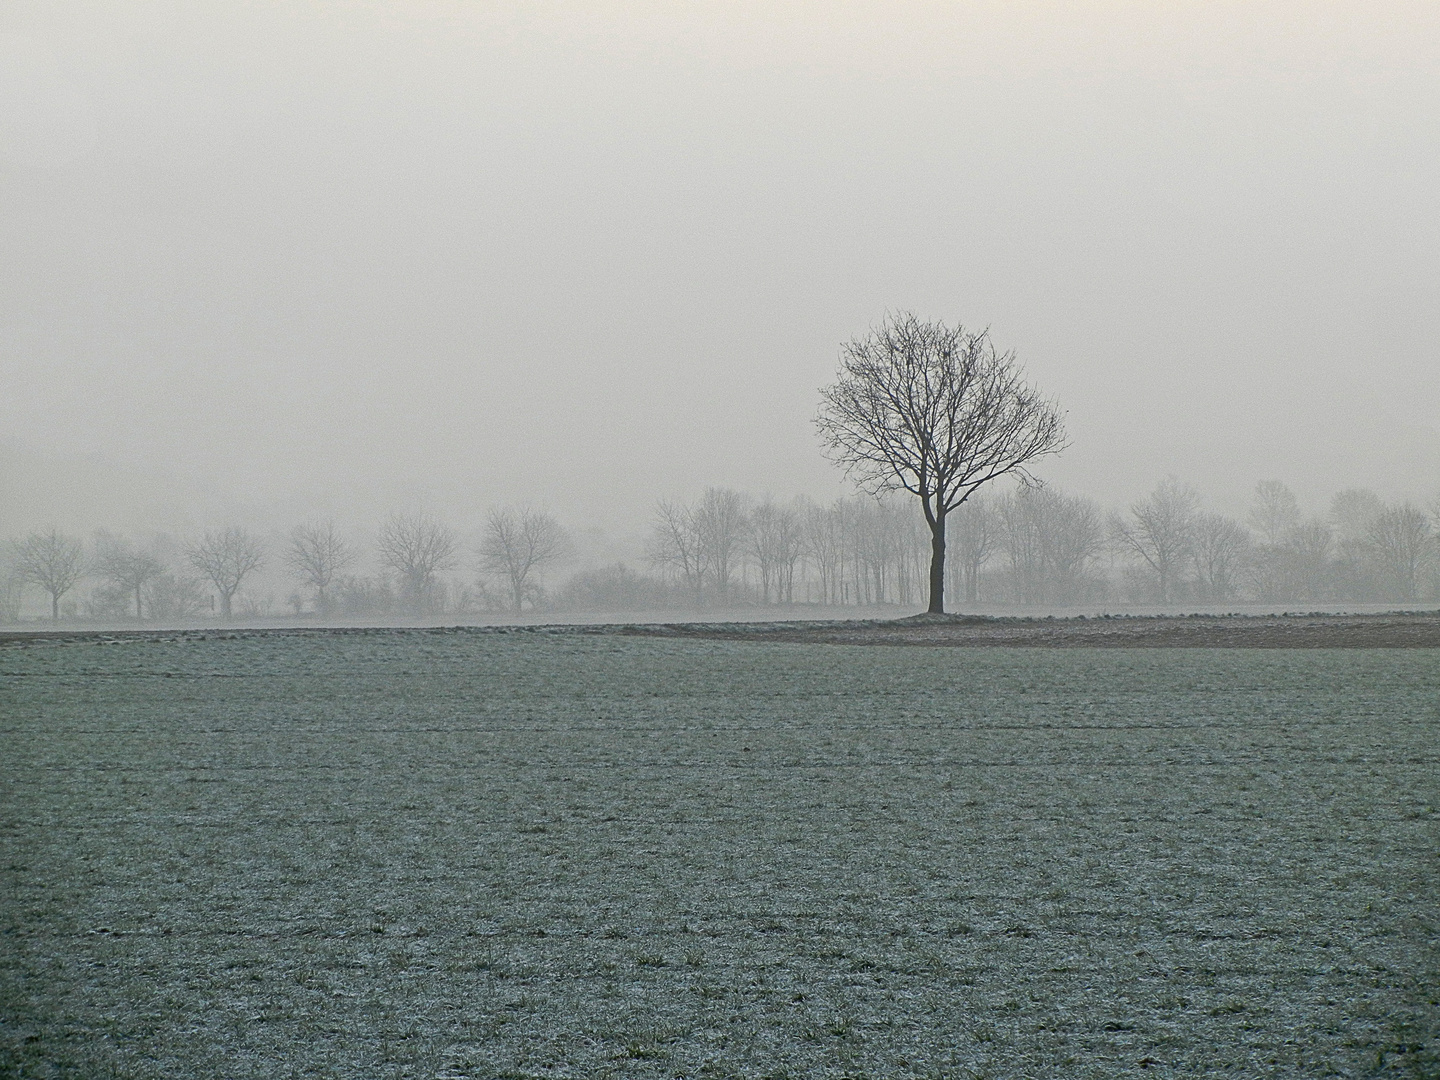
[345, 257]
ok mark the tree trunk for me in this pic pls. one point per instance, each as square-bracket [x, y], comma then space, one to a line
[225, 605]
[54, 607]
[937, 565]
[138, 613]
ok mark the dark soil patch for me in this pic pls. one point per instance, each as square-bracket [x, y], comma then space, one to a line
[1392, 631]
[1397, 630]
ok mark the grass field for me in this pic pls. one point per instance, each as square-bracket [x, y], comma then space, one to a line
[489, 854]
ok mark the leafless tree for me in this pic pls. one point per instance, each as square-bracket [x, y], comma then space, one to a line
[127, 568]
[1308, 549]
[1351, 512]
[1050, 540]
[864, 550]
[11, 588]
[1075, 538]
[825, 549]
[317, 555]
[972, 535]
[1159, 531]
[517, 544]
[675, 545]
[1355, 573]
[789, 550]
[935, 411]
[721, 524]
[869, 550]
[1274, 511]
[1400, 537]
[882, 540]
[53, 561]
[1220, 545]
[1433, 507]
[226, 557]
[776, 543]
[417, 548]
[702, 543]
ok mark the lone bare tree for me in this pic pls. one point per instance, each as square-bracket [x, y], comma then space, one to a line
[226, 558]
[317, 554]
[127, 568]
[517, 543]
[938, 412]
[53, 561]
[417, 547]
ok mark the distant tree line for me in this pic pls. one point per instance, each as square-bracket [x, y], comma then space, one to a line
[1032, 547]
[167, 581]
[1037, 546]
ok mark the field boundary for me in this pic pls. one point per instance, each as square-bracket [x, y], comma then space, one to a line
[1397, 630]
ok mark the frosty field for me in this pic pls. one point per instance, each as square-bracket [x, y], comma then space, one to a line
[526, 853]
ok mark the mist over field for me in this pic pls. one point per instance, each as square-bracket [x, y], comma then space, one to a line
[271, 266]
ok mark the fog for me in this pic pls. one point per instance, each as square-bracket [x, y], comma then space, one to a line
[278, 262]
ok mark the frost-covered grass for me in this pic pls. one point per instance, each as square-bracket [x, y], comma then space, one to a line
[523, 854]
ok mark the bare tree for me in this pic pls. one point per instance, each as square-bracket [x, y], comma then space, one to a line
[1219, 549]
[1351, 512]
[881, 538]
[973, 535]
[317, 555]
[721, 524]
[1274, 511]
[127, 568]
[825, 549]
[417, 547]
[11, 588]
[787, 550]
[1434, 509]
[1160, 532]
[702, 543]
[1307, 549]
[1050, 540]
[1022, 538]
[53, 561]
[1355, 573]
[775, 543]
[1400, 537]
[519, 542]
[1075, 537]
[675, 545]
[226, 558]
[935, 411]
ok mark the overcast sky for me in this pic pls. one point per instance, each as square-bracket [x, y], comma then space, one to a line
[353, 256]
